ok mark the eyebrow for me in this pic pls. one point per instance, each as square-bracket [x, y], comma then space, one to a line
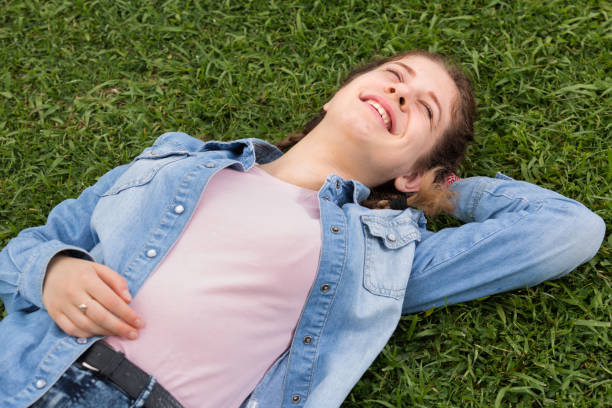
[430, 93]
[407, 68]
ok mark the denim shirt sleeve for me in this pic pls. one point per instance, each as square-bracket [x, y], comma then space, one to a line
[516, 235]
[24, 260]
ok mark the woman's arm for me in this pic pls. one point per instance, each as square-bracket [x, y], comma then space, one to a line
[56, 255]
[24, 260]
[49, 267]
[516, 235]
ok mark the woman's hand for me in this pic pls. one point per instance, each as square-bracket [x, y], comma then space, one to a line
[72, 282]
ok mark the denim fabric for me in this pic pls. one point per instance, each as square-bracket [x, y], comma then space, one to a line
[374, 264]
[82, 388]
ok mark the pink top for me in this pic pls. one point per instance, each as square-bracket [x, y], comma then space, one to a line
[223, 305]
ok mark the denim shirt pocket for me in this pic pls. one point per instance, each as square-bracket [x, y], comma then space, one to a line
[145, 166]
[389, 251]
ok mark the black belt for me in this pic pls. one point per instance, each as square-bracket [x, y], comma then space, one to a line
[127, 376]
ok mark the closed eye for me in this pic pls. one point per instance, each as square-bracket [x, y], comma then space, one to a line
[397, 75]
[429, 111]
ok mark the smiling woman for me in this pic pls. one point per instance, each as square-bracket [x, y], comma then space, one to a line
[178, 251]
[426, 140]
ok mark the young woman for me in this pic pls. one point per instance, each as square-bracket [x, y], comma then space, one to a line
[229, 274]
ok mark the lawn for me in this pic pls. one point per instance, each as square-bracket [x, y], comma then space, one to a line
[86, 85]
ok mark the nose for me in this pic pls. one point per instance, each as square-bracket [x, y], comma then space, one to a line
[401, 100]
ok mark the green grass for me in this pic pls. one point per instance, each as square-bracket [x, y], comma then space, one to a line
[85, 86]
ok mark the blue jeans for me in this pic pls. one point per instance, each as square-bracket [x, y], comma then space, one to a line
[82, 388]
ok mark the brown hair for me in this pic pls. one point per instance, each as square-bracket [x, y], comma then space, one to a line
[443, 159]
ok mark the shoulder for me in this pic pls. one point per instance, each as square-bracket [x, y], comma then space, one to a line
[180, 141]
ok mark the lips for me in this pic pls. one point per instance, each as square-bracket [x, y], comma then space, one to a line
[383, 109]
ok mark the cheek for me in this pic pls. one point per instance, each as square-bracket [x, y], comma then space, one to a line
[353, 115]
[419, 127]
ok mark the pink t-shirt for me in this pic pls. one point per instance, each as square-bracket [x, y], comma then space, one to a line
[223, 304]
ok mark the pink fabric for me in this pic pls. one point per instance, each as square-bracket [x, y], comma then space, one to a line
[451, 178]
[223, 304]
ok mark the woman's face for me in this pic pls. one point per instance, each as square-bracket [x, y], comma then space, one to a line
[392, 116]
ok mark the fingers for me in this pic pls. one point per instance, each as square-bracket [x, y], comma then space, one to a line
[68, 327]
[110, 311]
[115, 281]
[84, 328]
[71, 282]
[97, 321]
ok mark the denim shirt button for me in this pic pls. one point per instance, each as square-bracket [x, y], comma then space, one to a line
[307, 340]
[179, 209]
[296, 398]
[325, 287]
[209, 165]
[81, 340]
[41, 384]
[335, 229]
[151, 253]
[391, 237]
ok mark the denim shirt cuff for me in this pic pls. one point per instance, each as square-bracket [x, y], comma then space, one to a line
[468, 195]
[502, 176]
[33, 274]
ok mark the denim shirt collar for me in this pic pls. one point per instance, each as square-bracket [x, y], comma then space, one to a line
[343, 191]
[246, 151]
[249, 151]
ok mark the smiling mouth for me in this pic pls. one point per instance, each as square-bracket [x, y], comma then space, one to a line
[382, 112]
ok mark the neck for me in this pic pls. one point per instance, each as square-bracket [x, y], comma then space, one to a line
[308, 163]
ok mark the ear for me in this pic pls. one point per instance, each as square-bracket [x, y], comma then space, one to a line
[326, 106]
[409, 183]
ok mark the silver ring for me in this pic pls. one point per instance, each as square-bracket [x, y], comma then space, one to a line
[82, 307]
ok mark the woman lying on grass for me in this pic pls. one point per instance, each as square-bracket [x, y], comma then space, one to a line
[232, 275]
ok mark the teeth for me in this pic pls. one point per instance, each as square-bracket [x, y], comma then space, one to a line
[381, 111]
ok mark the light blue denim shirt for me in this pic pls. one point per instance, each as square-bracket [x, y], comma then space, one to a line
[374, 264]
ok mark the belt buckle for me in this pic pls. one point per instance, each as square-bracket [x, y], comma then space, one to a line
[89, 367]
